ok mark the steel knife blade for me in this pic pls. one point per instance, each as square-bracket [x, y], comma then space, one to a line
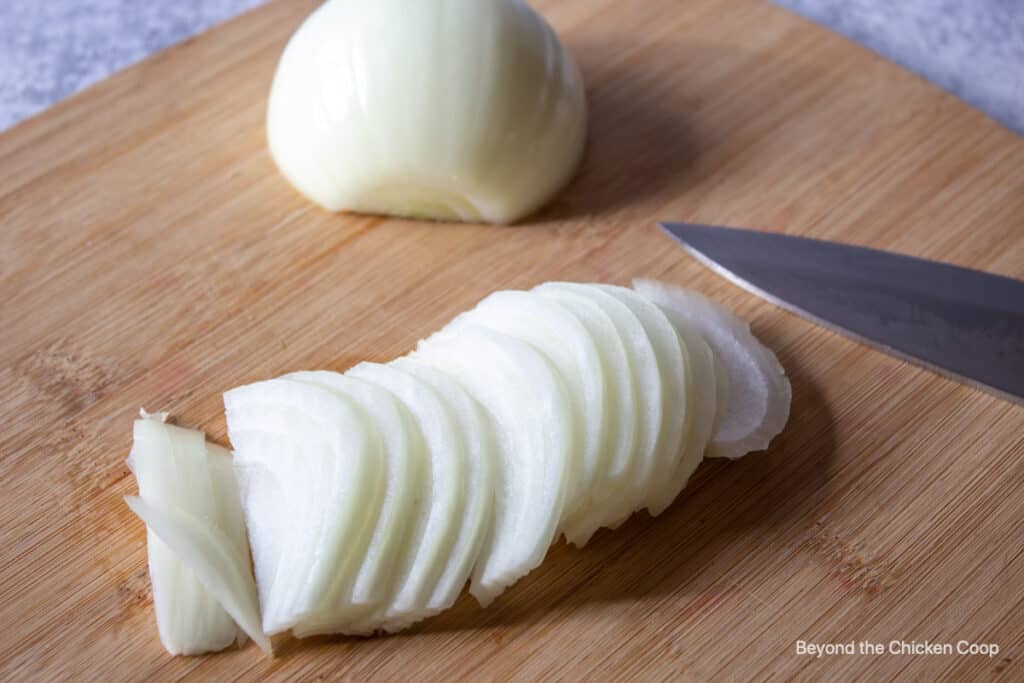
[959, 322]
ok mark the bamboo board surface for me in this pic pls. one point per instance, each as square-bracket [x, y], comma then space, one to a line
[151, 255]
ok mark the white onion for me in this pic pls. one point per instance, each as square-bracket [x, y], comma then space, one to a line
[447, 109]
[442, 496]
[702, 405]
[759, 393]
[372, 497]
[212, 556]
[525, 396]
[203, 590]
[672, 360]
[312, 475]
[554, 331]
[597, 312]
[406, 499]
[480, 454]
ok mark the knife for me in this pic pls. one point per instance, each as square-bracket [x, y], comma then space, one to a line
[962, 323]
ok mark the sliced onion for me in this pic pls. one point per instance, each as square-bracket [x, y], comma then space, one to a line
[524, 395]
[310, 464]
[180, 474]
[673, 409]
[565, 341]
[702, 404]
[597, 312]
[371, 497]
[212, 557]
[477, 434]
[438, 527]
[759, 393]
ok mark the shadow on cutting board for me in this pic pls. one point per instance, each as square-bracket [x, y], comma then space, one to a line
[727, 516]
[674, 114]
[638, 140]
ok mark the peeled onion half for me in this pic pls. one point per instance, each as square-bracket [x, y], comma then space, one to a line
[468, 110]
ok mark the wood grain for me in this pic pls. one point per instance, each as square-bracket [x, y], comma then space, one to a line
[151, 255]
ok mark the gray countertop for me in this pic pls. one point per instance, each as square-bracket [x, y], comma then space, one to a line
[52, 48]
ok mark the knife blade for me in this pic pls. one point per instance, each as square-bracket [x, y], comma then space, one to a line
[962, 323]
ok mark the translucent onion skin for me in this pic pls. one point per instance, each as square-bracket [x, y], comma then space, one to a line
[467, 110]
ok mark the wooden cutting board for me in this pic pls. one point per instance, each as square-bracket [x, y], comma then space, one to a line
[150, 255]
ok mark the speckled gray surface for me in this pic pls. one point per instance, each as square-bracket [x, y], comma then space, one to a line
[52, 48]
[972, 48]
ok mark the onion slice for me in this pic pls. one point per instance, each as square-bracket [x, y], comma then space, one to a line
[676, 412]
[565, 341]
[402, 460]
[603, 317]
[444, 494]
[702, 404]
[759, 393]
[523, 393]
[187, 489]
[213, 558]
[310, 465]
[480, 450]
